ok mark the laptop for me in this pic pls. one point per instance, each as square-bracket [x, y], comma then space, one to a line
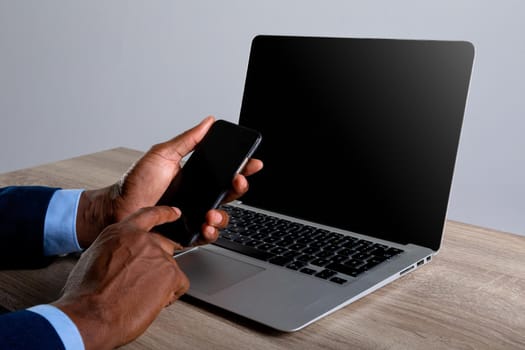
[360, 137]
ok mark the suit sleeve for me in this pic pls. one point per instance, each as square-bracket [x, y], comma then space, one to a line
[22, 217]
[27, 330]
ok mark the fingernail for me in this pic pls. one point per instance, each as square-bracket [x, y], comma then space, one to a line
[209, 231]
[177, 210]
[217, 218]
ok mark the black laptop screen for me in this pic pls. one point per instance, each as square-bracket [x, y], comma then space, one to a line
[359, 134]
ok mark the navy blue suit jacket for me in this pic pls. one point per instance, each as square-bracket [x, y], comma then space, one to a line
[22, 214]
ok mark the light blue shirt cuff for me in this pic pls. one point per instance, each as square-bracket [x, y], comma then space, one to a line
[66, 329]
[60, 232]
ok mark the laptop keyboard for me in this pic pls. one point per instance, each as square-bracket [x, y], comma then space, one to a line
[322, 253]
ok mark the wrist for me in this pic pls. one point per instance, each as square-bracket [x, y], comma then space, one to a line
[95, 212]
[89, 322]
[66, 329]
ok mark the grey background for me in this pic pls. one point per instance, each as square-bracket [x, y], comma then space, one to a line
[83, 76]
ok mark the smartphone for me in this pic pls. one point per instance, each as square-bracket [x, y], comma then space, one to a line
[206, 177]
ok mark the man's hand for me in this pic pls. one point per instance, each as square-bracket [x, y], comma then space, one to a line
[145, 183]
[122, 282]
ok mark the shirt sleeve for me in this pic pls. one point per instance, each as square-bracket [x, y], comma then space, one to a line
[65, 328]
[60, 233]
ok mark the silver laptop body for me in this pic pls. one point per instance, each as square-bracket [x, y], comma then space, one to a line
[360, 138]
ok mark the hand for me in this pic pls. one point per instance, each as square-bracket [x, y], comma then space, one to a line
[145, 183]
[122, 282]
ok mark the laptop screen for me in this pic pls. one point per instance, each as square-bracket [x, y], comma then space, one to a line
[358, 134]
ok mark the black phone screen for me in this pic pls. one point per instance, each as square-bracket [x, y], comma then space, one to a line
[206, 177]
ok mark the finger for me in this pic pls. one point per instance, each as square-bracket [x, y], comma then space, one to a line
[166, 244]
[184, 284]
[209, 235]
[239, 188]
[252, 166]
[181, 145]
[240, 183]
[147, 218]
[180, 283]
[216, 219]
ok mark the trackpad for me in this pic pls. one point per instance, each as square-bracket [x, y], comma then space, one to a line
[210, 272]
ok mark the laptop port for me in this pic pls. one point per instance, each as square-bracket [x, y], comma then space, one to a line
[406, 270]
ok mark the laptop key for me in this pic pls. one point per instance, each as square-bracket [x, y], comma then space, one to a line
[242, 239]
[296, 265]
[325, 254]
[284, 242]
[316, 244]
[272, 239]
[297, 246]
[304, 240]
[376, 260]
[308, 271]
[393, 251]
[291, 254]
[237, 247]
[338, 280]
[278, 250]
[259, 236]
[320, 262]
[355, 263]
[229, 236]
[252, 243]
[339, 258]
[305, 257]
[265, 246]
[310, 250]
[347, 270]
[325, 274]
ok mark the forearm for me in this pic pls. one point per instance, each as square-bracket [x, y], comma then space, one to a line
[22, 218]
[38, 222]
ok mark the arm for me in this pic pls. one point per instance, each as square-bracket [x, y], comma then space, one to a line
[22, 218]
[27, 330]
[36, 224]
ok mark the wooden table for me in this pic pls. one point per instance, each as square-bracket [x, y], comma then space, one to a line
[471, 296]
